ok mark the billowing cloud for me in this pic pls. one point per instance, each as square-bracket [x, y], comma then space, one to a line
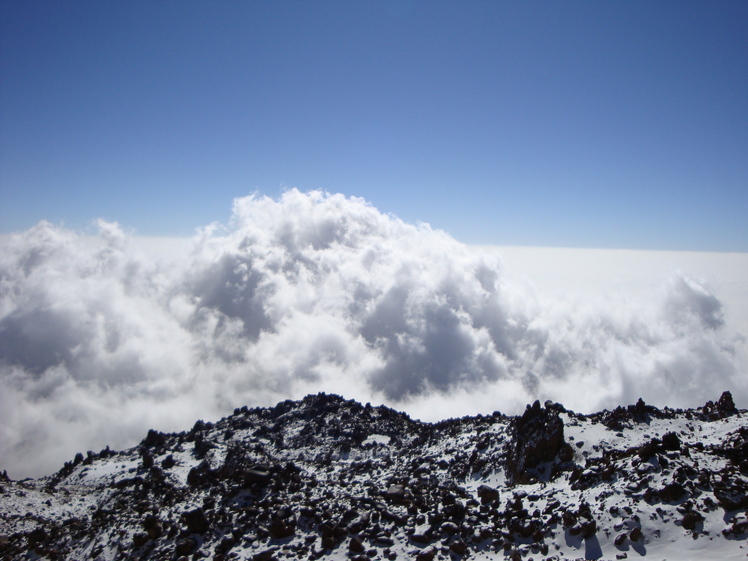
[315, 292]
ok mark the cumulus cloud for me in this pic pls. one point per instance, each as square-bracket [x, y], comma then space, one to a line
[316, 292]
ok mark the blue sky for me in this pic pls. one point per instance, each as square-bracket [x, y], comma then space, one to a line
[582, 124]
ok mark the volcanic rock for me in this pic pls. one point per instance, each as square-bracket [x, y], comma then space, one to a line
[196, 521]
[536, 436]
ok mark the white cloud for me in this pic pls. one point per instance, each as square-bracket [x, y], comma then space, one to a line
[316, 292]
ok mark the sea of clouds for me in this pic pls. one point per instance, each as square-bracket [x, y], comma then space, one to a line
[101, 340]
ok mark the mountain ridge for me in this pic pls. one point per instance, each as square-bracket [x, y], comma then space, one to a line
[326, 477]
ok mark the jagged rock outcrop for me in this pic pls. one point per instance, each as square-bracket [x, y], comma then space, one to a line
[724, 407]
[537, 436]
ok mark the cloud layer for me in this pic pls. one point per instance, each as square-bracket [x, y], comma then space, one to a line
[100, 341]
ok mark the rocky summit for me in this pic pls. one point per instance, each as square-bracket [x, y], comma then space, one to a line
[325, 477]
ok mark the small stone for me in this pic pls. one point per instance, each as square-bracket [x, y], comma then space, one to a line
[459, 547]
[196, 521]
[488, 495]
[395, 493]
[278, 529]
[589, 528]
[356, 545]
[691, 519]
[266, 555]
[139, 539]
[421, 538]
[426, 554]
[185, 546]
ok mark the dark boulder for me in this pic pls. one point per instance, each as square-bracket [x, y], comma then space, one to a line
[670, 441]
[649, 449]
[488, 495]
[395, 493]
[691, 519]
[356, 545]
[672, 492]
[458, 547]
[196, 521]
[423, 538]
[139, 539]
[185, 546]
[37, 537]
[280, 528]
[265, 555]
[589, 528]
[147, 459]
[426, 554]
[199, 475]
[257, 475]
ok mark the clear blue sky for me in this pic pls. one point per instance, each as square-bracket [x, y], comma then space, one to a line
[589, 124]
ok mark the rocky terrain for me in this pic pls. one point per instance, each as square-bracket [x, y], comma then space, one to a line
[329, 478]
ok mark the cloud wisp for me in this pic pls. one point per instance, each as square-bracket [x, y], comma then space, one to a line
[316, 292]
